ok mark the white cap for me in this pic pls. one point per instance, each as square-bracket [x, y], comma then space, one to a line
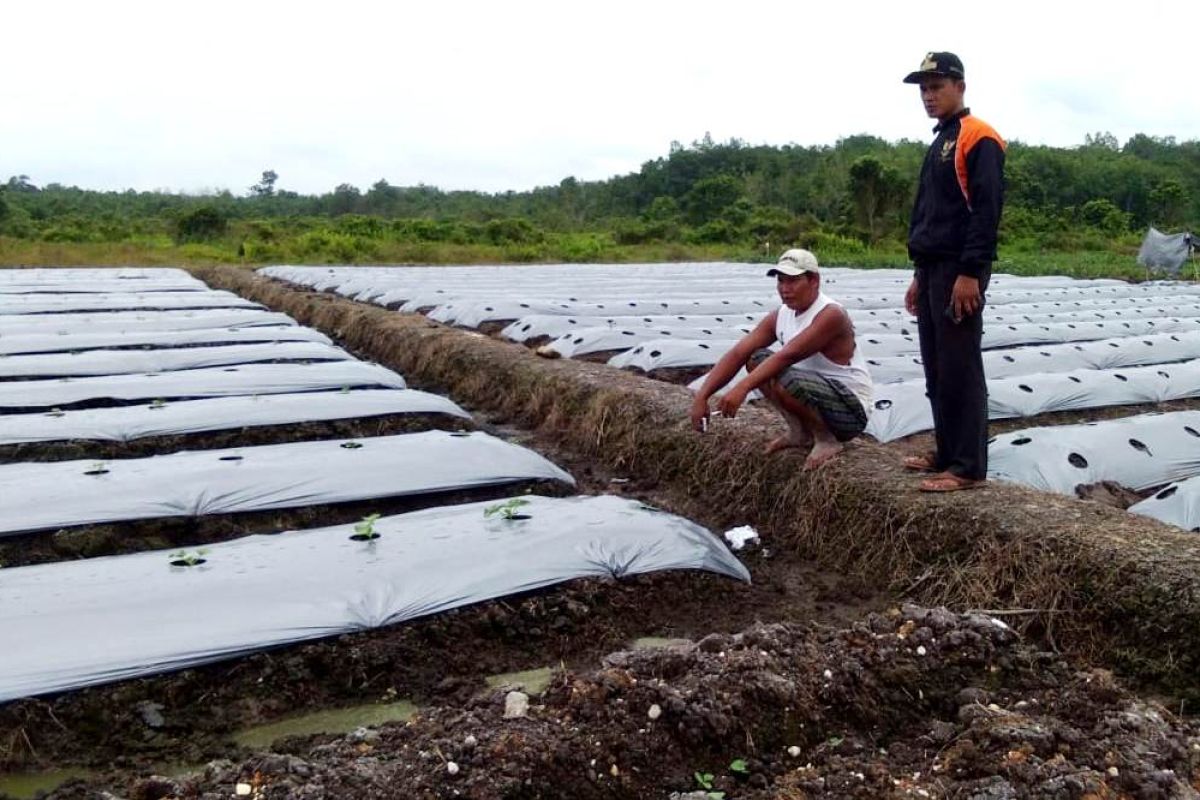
[795, 262]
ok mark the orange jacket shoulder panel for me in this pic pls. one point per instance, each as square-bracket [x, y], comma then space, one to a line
[971, 132]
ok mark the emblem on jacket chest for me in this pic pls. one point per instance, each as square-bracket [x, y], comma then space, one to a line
[948, 149]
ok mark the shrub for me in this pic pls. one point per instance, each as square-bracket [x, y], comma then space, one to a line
[716, 231]
[583, 247]
[829, 245]
[359, 225]
[331, 246]
[202, 223]
[512, 231]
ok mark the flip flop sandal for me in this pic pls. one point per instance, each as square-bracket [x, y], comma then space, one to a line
[926, 462]
[950, 483]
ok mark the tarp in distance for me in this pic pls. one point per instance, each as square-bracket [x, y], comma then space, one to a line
[552, 325]
[598, 340]
[672, 354]
[135, 275]
[78, 342]
[196, 383]
[1137, 452]
[100, 286]
[131, 321]
[39, 496]
[1165, 251]
[127, 423]
[901, 409]
[119, 362]
[472, 315]
[264, 591]
[1129, 351]
[67, 303]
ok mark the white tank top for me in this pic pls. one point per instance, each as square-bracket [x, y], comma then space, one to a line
[854, 376]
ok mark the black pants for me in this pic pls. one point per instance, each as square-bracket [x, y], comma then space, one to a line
[954, 379]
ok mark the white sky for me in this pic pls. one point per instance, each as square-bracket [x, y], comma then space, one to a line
[511, 95]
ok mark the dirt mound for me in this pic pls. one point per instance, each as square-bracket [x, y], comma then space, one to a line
[915, 703]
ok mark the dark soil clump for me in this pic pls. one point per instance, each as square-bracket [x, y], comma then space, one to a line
[915, 703]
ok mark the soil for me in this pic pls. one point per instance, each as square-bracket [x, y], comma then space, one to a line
[911, 703]
[1111, 493]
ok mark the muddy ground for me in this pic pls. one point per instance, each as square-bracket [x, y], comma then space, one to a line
[911, 703]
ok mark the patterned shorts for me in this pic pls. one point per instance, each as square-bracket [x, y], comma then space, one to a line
[839, 408]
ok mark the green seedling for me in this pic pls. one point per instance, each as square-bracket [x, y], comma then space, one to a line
[507, 509]
[705, 781]
[738, 767]
[365, 530]
[158, 402]
[56, 412]
[183, 558]
[97, 468]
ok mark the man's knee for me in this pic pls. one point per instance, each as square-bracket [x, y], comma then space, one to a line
[758, 357]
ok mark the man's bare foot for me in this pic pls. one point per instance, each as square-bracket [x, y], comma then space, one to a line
[787, 442]
[822, 452]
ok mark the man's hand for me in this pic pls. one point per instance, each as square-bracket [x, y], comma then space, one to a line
[731, 401]
[964, 297]
[910, 297]
[699, 414]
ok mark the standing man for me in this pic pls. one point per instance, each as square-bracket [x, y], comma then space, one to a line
[952, 243]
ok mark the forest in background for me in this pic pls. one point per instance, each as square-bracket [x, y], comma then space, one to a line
[1079, 210]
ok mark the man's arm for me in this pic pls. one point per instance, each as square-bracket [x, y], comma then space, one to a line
[828, 325]
[722, 373]
[985, 185]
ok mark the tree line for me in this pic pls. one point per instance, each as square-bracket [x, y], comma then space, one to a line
[853, 195]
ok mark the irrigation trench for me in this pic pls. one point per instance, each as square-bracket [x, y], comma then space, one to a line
[1095, 581]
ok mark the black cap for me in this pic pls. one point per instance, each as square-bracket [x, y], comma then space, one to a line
[938, 65]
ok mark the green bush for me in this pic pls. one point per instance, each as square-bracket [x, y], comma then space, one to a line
[583, 247]
[68, 233]
[428, 230]
[1104, 216]
[769, 224]
[513, 230]
[632, 231]
[261, 252]
[359, 225]
[200, 224]
[333, 247]
[831, 244]
[718, 231]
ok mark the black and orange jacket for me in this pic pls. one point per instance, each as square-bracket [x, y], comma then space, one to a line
[959, 196]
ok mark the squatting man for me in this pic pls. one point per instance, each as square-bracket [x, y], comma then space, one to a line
[817, 379]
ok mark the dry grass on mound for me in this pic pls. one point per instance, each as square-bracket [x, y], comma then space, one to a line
[1093, 579]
